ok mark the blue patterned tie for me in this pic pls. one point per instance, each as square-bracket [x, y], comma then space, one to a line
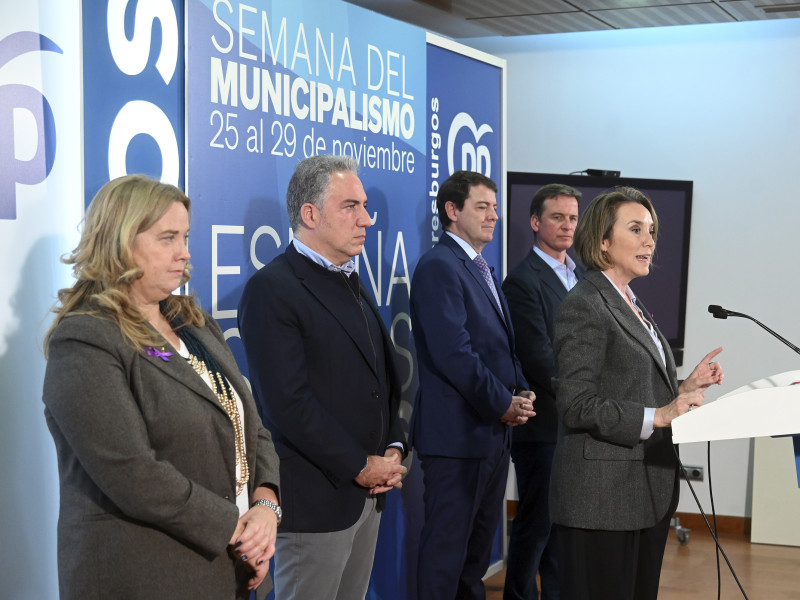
[483, 267]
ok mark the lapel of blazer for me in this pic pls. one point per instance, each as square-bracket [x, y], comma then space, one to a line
[546, 275]
[628, 320]
[475, 272]
[250, 416]
[230, 369]
[225, 360]
[580, 272]
[181, 371]
[337, 305]
[670, 369]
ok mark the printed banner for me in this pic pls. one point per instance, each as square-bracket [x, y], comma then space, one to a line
[40, 207]
[465, 134]
[133, 91]
[270, 83]
[465, 130]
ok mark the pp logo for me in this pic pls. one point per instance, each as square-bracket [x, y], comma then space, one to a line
[16, 97]
[474, 156]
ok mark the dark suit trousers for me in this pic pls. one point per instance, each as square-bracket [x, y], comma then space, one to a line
[598, 565]
[531, 548]
[463, 505]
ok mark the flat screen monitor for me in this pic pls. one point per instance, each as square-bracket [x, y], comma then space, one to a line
[663, 291]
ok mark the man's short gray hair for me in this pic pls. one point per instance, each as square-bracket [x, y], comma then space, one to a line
[310, 182]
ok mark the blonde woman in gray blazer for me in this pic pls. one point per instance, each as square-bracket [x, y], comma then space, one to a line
[160, 448]
[614, 483]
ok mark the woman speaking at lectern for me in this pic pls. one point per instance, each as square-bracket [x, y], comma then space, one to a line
[614, 483]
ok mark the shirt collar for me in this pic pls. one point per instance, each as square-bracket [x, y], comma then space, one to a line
[628, 289]
[464, 245]
[552, 262]
[314, 256]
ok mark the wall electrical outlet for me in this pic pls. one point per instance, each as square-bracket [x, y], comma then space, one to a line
[692, 473]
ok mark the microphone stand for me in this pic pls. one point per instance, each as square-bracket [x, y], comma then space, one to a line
[723, 313]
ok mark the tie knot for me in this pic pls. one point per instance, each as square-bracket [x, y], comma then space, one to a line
[483, 267]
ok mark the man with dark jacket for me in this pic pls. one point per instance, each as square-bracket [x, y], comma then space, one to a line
[323, 373]
[534, 290]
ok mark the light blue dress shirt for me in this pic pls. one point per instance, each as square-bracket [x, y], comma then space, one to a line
[314, 256]
[565, 271]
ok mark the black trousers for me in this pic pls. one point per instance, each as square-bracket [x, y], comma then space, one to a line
[605, 565]
[532, 547]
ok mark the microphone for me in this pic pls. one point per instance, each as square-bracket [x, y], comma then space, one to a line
[717, 311]
[723, 313]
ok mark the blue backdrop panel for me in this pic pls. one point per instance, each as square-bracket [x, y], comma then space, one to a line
[271, 83]
[465, 129]
[464, 133]
[133, 91]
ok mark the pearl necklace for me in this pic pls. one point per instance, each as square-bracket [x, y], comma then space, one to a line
[224, 394]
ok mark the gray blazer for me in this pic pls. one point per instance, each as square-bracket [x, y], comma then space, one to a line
[604, 476]
[146, 466]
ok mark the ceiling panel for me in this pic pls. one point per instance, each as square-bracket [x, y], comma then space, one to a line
[478, 9]
[478, 18]
[663, 16]
[555, 23]
[772, 3]
[744, 10]
[590, 5]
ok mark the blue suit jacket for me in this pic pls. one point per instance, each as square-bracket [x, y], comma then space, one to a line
[465, 350]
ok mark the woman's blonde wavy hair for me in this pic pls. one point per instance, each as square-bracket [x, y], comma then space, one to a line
[103, 263]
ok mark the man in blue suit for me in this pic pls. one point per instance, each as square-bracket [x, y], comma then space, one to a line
[471, 392]
[534, 290]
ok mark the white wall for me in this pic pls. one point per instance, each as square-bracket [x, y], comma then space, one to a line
[715, 104]
[45, 227]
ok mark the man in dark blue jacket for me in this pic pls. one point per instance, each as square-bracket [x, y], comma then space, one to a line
[471, 392]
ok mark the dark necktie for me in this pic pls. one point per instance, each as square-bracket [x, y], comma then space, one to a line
[483, 267]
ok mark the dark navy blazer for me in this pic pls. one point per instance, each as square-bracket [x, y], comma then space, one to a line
[465, 350]
[315, 380]
[534, 293]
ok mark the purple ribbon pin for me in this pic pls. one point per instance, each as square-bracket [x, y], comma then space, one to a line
[158, 353]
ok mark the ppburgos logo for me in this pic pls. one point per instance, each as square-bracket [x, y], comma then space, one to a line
[464, 150]
[17, 98]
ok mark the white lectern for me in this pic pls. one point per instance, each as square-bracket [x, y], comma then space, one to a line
[765, 408]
